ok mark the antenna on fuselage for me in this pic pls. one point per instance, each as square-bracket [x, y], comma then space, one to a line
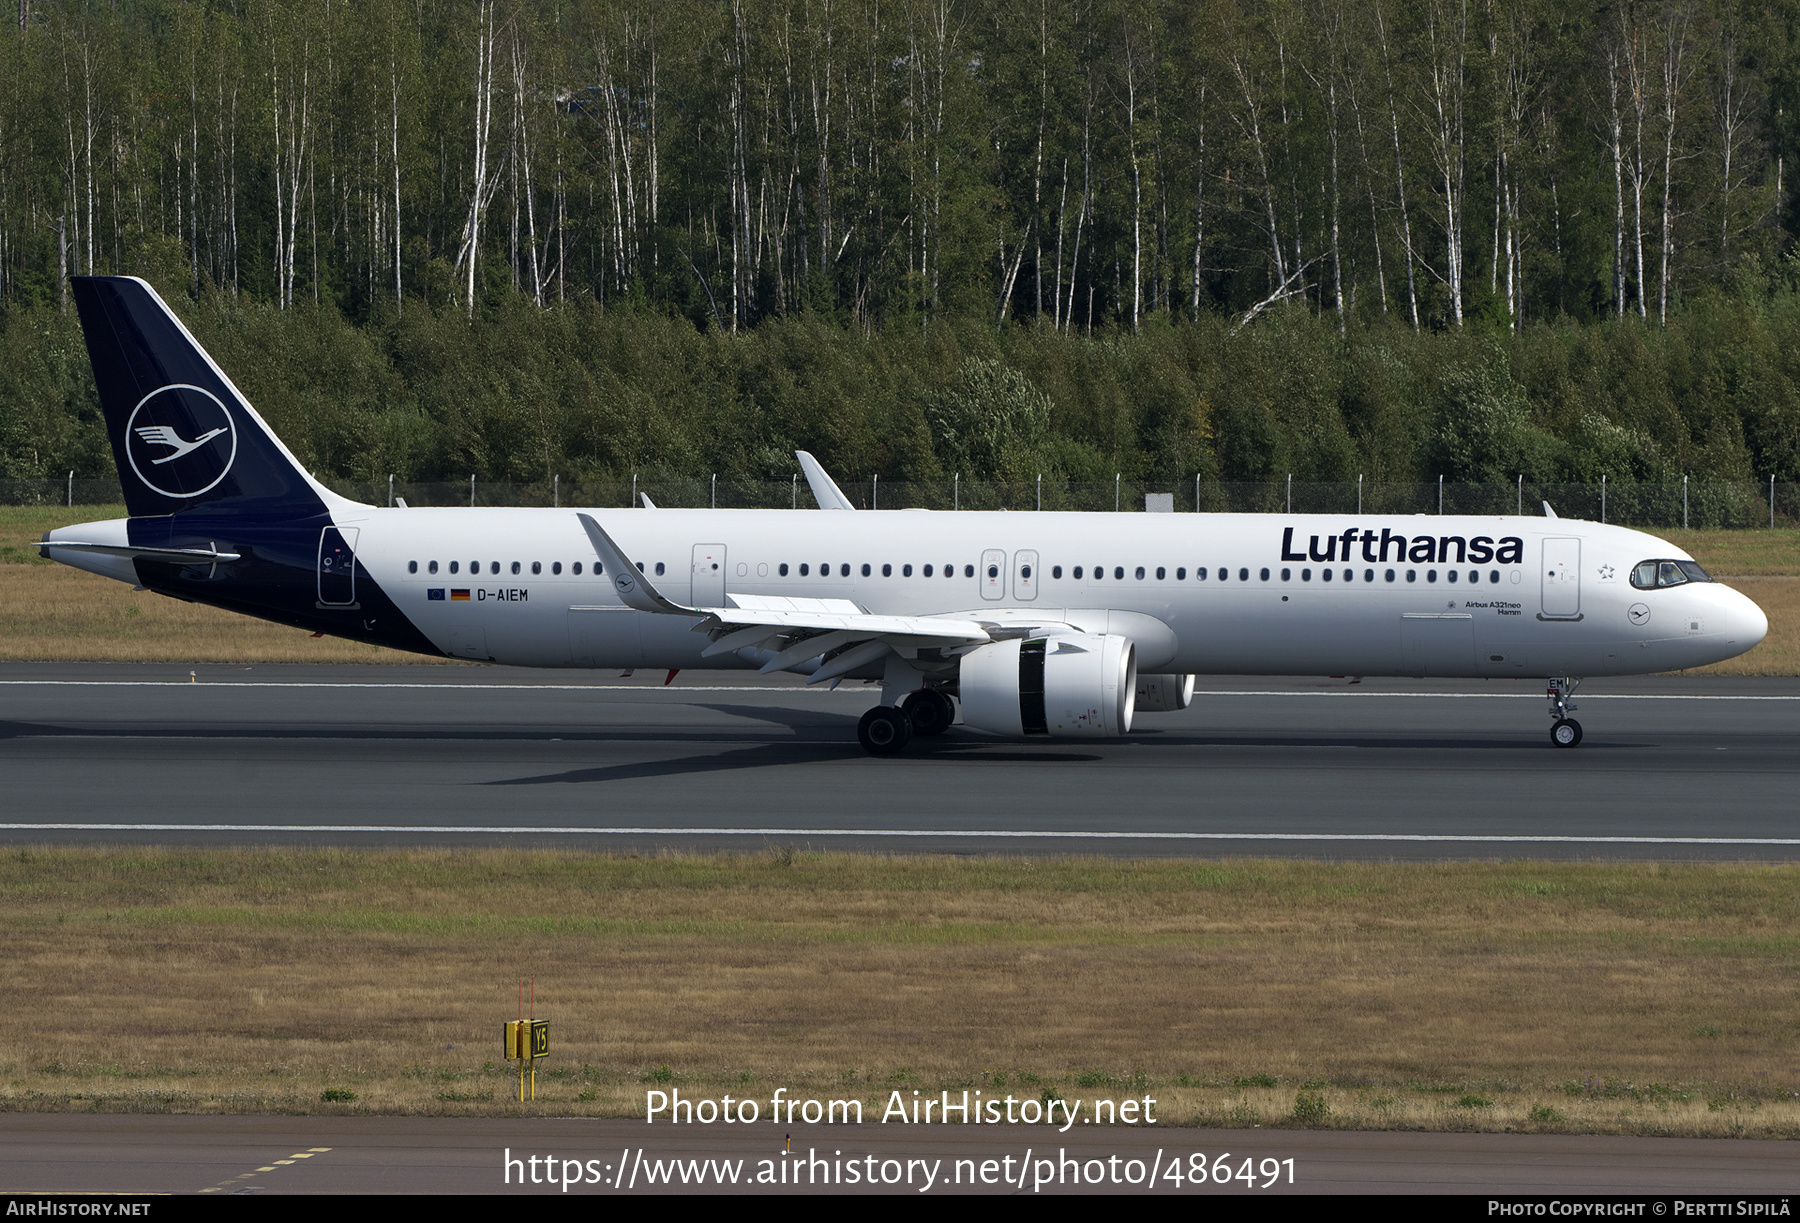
[1548, 512]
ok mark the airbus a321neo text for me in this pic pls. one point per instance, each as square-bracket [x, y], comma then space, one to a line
[1037, 624]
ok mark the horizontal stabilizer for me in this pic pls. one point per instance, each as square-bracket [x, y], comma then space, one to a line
[169, 556]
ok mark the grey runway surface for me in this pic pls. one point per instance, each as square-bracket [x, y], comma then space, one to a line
[65, 1153]
[1672, 767]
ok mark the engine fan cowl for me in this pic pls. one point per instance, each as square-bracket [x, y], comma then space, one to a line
[1079, 686]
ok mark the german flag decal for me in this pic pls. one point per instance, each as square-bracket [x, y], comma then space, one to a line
[459, 596]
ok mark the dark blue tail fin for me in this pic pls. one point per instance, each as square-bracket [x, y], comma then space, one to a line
[183, 436]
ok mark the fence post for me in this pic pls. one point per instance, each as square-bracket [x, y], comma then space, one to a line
[715, 490]
[1684, 507]
[1771, 501]
[471, 490]
[72, 490]
[1196, 492]
[1290, 493]
[1521, 509]
[875, 492]
[796, 490]
[956, 491]
[556, 491]
[1602, 500]
[1440, 496]
[390, 490]
[1040, 492]
[1116, 476]
[1359, 480]
[633, 503]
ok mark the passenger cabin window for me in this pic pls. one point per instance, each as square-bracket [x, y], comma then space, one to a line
[412, 566]
[452, 566]
[556, 567]
[431, 568]
[576, 569]
[537, 566]
[1056, 572]
[1651, 575]
[844, 571]
[515, 566]
[1077, 572]
[927, 571]
[968, 571]
[1180, 574]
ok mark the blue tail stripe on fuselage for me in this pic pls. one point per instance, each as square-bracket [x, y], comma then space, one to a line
[199, 468]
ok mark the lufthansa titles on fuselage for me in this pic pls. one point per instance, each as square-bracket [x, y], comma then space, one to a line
[1418, 549]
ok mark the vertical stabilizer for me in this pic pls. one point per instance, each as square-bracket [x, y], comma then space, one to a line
[182, 434]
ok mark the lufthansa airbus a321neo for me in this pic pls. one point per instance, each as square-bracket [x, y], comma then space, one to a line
[1038, 624]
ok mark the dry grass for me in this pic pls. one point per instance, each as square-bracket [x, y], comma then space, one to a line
[50, 613]
[1634, 998]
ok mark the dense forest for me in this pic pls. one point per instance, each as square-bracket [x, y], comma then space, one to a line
[1232, 238]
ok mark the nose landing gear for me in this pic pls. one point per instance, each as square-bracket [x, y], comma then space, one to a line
[1564, 731]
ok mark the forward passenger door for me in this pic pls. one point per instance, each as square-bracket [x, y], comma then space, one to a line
[1562, 579]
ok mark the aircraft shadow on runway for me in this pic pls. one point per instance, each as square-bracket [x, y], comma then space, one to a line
[957, 744]
[772, 753]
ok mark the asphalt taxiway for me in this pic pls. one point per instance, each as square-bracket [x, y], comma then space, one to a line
[1674, 767]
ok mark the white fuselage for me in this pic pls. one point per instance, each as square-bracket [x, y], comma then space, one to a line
[1562, 603]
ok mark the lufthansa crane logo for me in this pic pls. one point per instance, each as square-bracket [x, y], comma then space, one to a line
[180, 440]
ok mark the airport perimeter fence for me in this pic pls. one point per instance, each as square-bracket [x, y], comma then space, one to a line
[1665, 505]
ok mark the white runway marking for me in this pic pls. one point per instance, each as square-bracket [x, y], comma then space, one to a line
[1455, 696]
[1013, 834]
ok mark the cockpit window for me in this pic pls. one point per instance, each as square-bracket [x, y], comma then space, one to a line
[1650, 575]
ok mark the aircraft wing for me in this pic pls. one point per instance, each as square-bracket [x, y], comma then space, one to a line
[793, 630]
[824, 489]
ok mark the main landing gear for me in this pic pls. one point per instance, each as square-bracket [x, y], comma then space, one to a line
[930, 710]
[886, 730]
[1564, 731]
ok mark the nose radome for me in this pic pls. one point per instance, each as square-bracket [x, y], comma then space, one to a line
[1749, 624]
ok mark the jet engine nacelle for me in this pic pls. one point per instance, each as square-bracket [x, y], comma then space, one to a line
[1164, 693]
[1076, 686]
